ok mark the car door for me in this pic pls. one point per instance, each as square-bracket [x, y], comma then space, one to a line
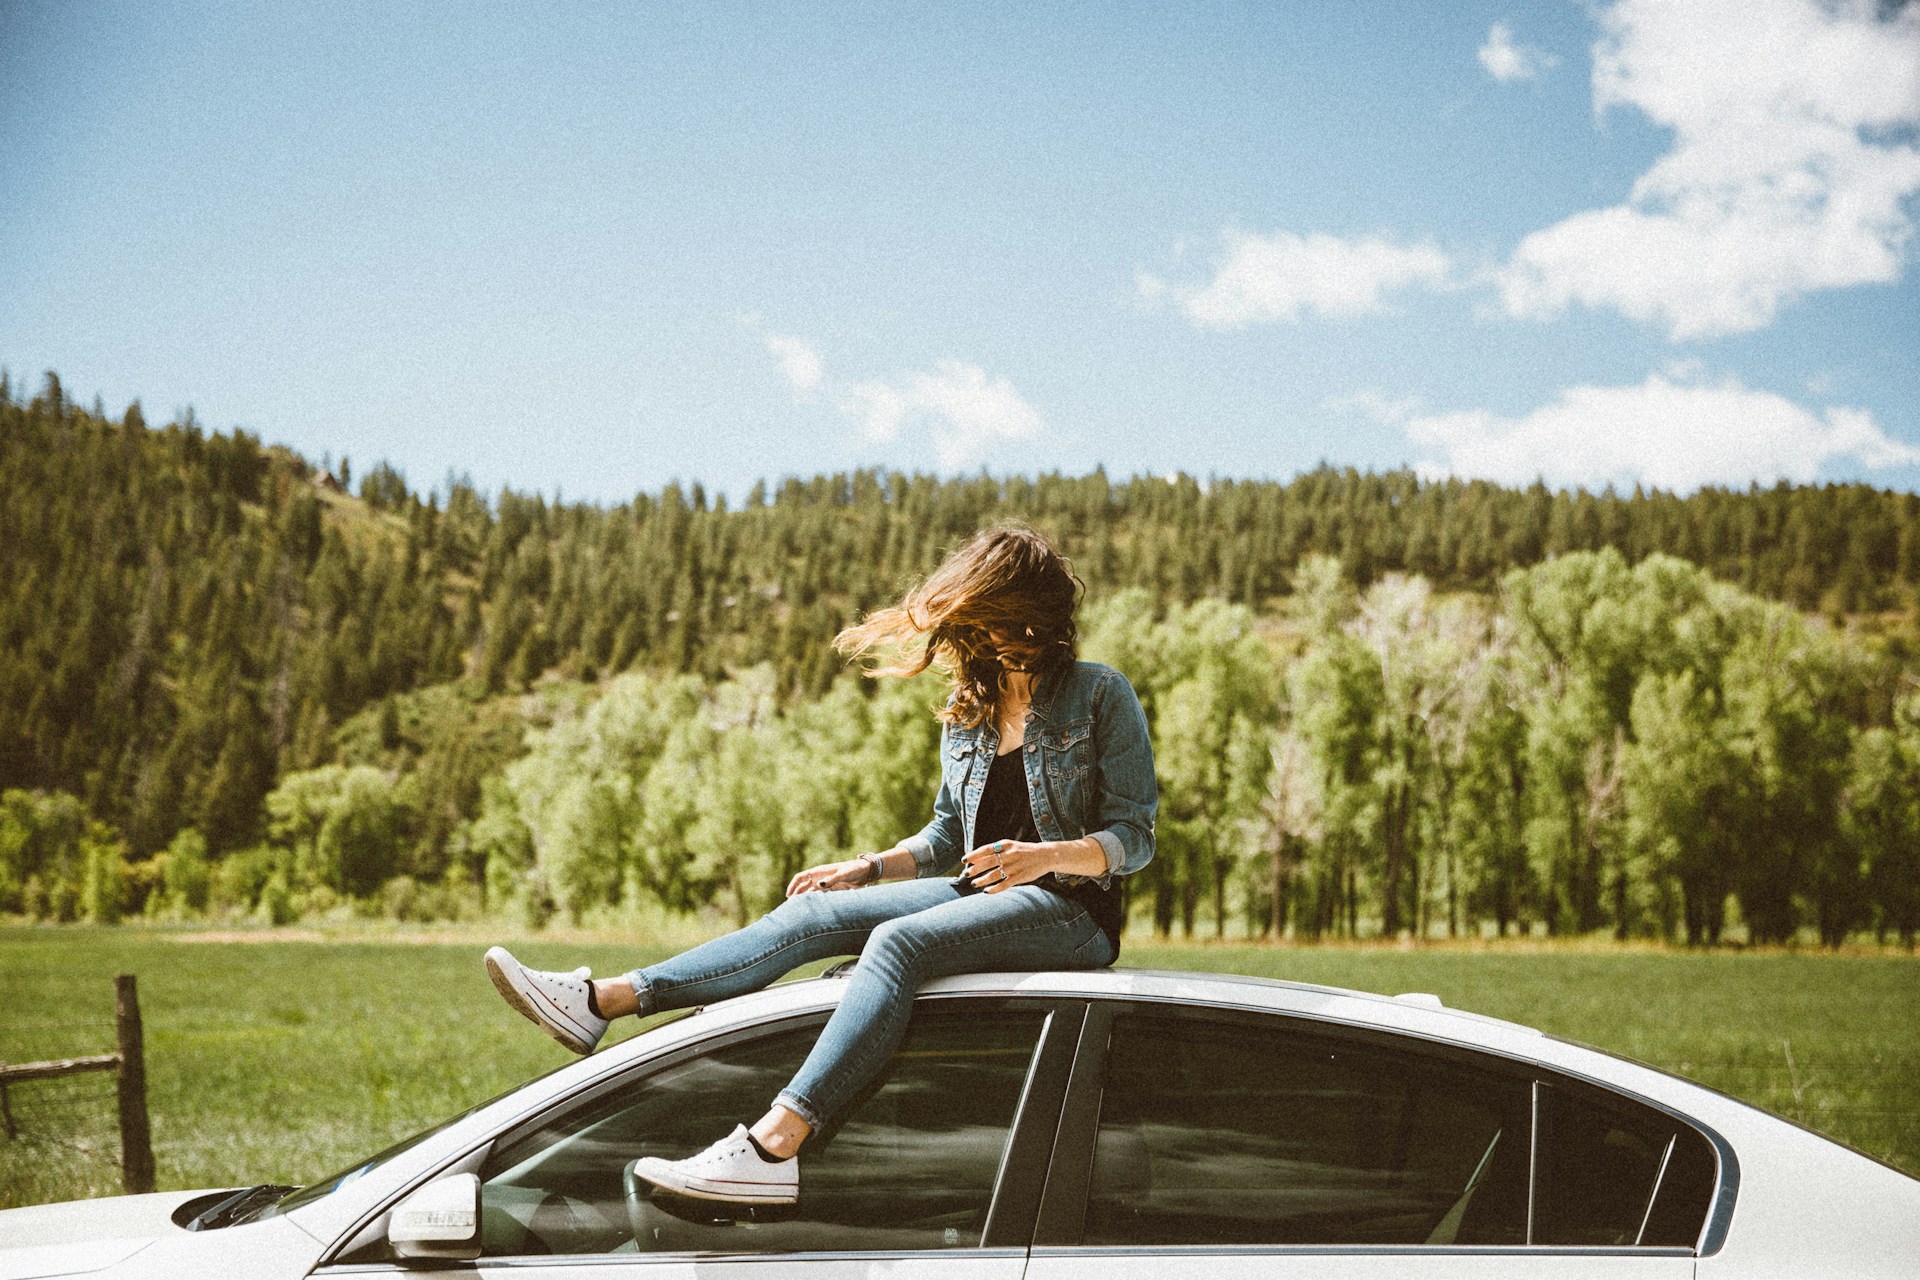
[935, 1167]
[1240, 1145]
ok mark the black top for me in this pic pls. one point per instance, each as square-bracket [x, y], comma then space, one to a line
[1006, 813]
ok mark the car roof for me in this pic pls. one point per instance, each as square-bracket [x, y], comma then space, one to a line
[1180, 978]
[1415, 1012]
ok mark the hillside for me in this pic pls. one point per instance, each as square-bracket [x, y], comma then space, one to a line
[191, 618]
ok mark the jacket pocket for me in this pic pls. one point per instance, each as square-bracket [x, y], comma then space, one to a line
[958, 765]
[1068, 750]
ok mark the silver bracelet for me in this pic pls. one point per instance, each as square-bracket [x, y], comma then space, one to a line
[873, 860]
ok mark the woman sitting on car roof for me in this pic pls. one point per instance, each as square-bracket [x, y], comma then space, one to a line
[1046, 799]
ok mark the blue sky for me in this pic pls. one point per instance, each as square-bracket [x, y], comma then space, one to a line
[595, 248]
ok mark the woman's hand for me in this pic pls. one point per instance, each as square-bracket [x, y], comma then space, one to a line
[833, 875]
[1006, 863]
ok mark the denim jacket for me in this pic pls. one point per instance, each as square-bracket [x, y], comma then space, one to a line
[1089, 773]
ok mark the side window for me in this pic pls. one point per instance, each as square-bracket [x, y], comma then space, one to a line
[1231, 1132]
[1612, 1172]
[912, 1165]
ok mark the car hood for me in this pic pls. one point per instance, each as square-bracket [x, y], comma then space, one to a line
[83, 1235]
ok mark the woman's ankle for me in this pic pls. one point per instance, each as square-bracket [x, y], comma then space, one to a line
[780, 1132]
[614, 997]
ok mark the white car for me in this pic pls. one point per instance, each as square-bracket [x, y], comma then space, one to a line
[1115, 1125]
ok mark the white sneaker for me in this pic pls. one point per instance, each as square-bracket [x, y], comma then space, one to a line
[556, 1002]
[730, 1169]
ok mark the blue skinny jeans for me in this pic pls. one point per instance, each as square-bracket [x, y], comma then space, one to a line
[905, 934]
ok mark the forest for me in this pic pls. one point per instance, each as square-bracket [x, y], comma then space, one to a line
[237, 684]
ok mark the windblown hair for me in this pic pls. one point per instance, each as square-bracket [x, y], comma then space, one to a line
[1007, 582]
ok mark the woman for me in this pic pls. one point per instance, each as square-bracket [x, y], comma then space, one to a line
[1046, 798]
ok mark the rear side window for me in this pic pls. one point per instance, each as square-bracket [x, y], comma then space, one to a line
[1241, 1133]
[1613, 1173]
[1259, 1130]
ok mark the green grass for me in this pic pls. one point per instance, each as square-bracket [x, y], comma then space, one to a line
[279, 1060]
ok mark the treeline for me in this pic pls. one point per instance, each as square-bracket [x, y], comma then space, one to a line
[193, 623]
[1641, 751]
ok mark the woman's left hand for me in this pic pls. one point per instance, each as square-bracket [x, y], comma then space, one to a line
[1006, 863]
[855, 873]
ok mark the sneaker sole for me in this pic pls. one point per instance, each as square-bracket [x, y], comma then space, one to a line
[503, 969]
[654, 1170]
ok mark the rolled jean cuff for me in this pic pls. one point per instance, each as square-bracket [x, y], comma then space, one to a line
[642, 991]
[800, 1107]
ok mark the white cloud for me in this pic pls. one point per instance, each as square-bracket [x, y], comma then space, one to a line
[1150, 287]
[1376, 405]
[1792, 156]
[967, 413]
[1506, 61]
[878, 411]
[799, 362]
[1277, 277]
[1676, 435]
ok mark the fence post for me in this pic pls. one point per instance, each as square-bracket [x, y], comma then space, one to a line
[136, 1138]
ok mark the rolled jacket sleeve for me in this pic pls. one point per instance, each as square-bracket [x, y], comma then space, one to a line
[1128, 792]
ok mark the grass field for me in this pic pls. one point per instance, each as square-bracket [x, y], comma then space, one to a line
[278, 1058]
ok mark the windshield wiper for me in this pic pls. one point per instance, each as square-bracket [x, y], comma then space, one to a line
[238, 1207]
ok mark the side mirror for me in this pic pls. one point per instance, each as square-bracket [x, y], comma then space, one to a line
[439, 1220]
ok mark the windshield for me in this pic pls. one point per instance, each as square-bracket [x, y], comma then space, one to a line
[333, 1182]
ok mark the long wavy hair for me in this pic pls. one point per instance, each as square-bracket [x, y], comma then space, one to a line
[1004, 601]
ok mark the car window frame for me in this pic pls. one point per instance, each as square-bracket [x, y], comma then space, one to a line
[1063, 1204]
[1011, 1208]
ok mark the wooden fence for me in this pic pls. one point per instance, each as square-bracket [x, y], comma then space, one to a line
[129, 1062]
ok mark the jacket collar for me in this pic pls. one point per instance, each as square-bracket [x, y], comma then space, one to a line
[1045, 689]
